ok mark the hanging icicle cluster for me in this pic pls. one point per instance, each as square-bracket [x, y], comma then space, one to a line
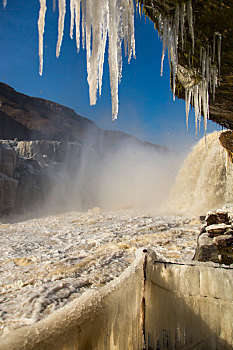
[114, 19]
[198, 93]
[100, 19]
[171, 29]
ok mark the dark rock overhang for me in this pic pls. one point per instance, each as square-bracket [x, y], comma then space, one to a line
[210, 17]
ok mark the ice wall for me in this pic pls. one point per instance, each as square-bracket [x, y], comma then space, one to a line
[188, 306]
[171, 306]
[108, 319]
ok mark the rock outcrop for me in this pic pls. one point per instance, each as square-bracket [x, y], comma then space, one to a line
[215, 242]
[210, 19]
[30, 169]
[8, 184]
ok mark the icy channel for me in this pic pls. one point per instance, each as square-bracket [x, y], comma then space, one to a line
[47, 262]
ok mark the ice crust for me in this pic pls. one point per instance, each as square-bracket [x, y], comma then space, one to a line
[50, 261]
[101, 19]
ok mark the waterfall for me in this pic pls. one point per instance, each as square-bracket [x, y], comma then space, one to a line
[204, 182]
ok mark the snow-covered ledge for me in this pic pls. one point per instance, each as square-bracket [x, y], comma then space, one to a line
[109, 318]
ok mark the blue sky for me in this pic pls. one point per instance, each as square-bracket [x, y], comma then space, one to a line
[147, 109]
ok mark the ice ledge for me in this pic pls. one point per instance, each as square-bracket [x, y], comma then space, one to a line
[152, 301]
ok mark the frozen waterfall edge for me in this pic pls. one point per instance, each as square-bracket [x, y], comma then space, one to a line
[167, 304]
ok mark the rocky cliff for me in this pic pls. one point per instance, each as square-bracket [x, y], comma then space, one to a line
[47, 150]
[29, 118]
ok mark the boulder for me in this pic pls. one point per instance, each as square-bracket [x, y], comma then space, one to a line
[214, 230]
[206, 250]
[215, 241]
[224, 240]
[218, 217]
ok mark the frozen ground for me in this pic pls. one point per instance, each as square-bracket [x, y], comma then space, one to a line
[47, 262]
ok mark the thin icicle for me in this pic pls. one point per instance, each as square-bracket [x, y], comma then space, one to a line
[4, 3]
[41, 25]
[214, 45]
[72, 9]
[54, 5]
[165, 38]
[77, 23]
[188, 94]
[112, 57]
[61, 20]
[196, 105]
[75, 19]
[219, 51]
[83, 23]
[190, 22]
[203, 64]
[182, 19]
[215, 80]
[103, 45]
[201, 51]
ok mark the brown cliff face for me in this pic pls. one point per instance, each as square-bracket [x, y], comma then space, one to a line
[210, 17]
[29, 118]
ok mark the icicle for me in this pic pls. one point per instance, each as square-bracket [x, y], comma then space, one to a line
[41, 25]
[4, 3]
[61, 20]
[203, 64]
[196, 105]
[190, 22]
[54, 5]
[72, 9]
[219, 51]
[215, 80]
[77, 23]
[102, 18]
[113, 57]
[182, 19]
[75, 18]
[201, 50]
[196, 94]
[207, 67]
[214, 44]
[83, 23]
[188, 94]
[103, 45]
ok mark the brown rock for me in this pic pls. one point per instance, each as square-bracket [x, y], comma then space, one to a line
[216, 218]
[206, 250]
[223, 240]
[215, 230]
